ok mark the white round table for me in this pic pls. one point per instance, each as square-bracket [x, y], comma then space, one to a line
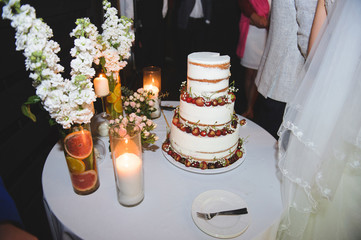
[165, 212]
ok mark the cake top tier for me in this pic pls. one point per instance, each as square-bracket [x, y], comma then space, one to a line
[207, 73]
[209, 58]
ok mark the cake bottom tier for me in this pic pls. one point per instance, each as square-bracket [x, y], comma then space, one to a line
[229, 157]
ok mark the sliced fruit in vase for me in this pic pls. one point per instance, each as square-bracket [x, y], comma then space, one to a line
[80, 158]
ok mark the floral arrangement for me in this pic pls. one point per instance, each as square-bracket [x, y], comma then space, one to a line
[128, 122]
[114, 46]
[115, 42]
[140, 102]
[67, 101]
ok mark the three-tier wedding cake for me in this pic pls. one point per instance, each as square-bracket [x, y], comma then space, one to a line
[205, 129]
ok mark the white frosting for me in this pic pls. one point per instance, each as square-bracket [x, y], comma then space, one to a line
[206, 66]
[208, 58]
[203, 148]
[205, 89]
[206, 115]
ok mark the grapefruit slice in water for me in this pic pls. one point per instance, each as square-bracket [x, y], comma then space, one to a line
[84, 181]
[79, 144]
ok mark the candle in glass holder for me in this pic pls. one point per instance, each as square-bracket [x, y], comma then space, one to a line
[154, 89]
[101, 86]
[126, 151]
[130, 178]
[152, 78]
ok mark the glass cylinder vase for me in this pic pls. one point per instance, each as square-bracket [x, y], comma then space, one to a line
[152, 81]
[126, 152]
[80, 158]
[113, 102]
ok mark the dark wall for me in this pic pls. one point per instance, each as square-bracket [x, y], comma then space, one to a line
[24, 145]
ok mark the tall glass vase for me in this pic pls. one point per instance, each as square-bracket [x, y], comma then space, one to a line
[126, 151]
[80, 158]
[113, 102]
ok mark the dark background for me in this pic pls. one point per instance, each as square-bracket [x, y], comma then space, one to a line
[25, 145]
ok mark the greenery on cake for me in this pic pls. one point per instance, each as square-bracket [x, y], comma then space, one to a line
[201, 101]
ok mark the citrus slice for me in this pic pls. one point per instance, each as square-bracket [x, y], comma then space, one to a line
[84, 181]
[118, 106]
[75, 165]
[112, 98]
[79, 144]
[117, 90]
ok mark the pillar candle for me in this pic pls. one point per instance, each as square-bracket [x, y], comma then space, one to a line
[154, 89]
[130, 178]
[101, 86]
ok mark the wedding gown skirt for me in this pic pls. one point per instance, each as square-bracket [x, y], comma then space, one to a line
[320, 137]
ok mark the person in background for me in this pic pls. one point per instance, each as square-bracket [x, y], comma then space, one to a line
[252, 41]
[283, 59]
[193, 19]
[320, 137]
[11, 227]
[150, 33]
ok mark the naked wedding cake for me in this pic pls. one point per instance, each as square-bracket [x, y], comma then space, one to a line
[205, 129]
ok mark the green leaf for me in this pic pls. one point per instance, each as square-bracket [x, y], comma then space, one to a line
[25, 109]
[52, 122]
[32, 100]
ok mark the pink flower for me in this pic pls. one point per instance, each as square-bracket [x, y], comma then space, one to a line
[141, 126]
[138, 119]
[132, 104]
[149, 123]
[122, 131]
[125, 121]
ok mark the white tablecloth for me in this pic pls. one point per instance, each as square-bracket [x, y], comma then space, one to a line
[165, 212]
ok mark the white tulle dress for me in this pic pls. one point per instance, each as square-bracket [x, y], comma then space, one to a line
[320, 137]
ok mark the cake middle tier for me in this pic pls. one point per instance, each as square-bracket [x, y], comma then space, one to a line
[204, 148]
[212, 115]
[208, 88]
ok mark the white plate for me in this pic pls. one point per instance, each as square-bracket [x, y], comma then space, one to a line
[220, 226]
[206, 171]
